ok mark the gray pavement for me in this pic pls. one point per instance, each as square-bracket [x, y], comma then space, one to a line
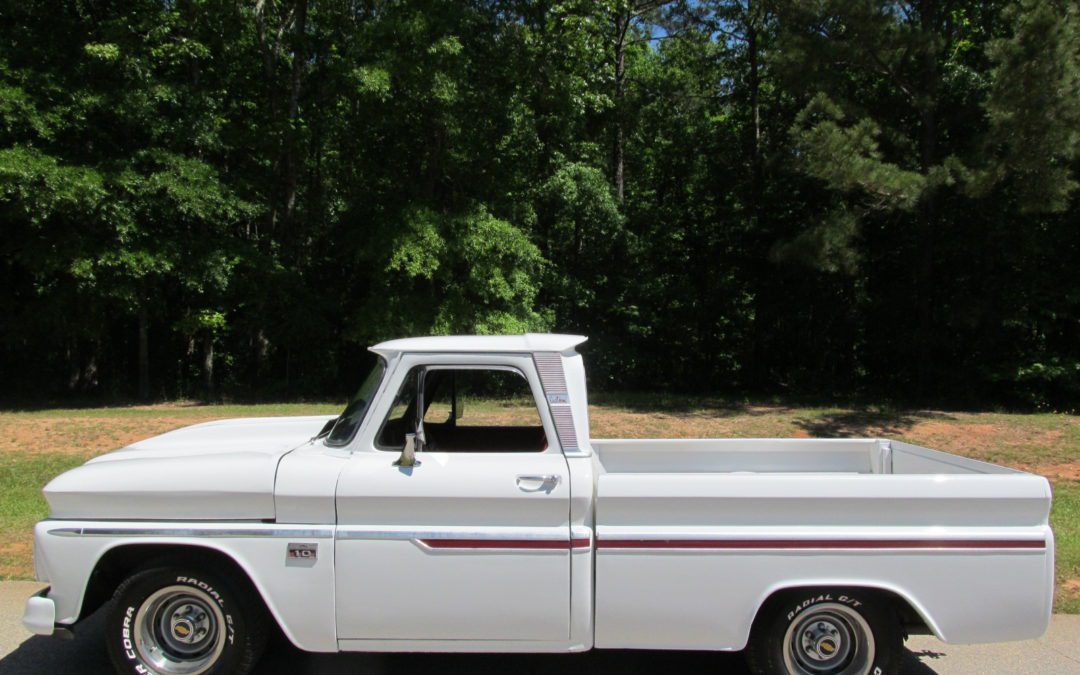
[1057, 653]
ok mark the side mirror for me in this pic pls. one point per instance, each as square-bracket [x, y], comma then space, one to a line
[408, 453]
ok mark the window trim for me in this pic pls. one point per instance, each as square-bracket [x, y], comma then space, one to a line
[383, 379]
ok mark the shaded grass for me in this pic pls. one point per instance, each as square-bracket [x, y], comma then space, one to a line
[190, 409]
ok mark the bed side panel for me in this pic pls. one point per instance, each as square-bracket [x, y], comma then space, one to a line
[684, 561]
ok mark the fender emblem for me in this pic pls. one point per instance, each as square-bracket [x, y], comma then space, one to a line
[301, 553]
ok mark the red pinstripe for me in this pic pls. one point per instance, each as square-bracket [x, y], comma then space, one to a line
[538, 544]
[736, 544]
[821, 543]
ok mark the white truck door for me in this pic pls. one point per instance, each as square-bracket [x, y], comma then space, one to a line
[473, 543]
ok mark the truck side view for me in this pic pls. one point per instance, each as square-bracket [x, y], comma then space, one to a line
[411, 522]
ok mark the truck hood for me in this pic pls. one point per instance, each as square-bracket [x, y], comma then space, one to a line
[221, 470]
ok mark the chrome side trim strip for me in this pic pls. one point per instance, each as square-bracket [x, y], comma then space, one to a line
[276, 531]
[490, 535]
[205, 532]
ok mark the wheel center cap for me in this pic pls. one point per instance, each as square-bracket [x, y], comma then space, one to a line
[184, 630]
[827, 647]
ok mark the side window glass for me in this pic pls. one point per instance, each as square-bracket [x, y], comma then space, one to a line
[439, 389]
[495, 398]
[467, 410]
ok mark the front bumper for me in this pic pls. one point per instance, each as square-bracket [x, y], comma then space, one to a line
[39, 617]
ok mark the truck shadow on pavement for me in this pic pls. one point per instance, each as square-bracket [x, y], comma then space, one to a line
[85, 654]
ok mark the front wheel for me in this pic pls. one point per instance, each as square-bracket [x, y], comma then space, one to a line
[823, 632]
[184, 621]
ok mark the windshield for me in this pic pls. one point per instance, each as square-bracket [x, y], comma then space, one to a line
[346, 425]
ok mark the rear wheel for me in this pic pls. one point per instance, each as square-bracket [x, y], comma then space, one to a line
[184, 621]
[826, 632]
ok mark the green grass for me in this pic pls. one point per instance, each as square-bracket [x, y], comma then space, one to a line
[21, 504]
[1065, 520]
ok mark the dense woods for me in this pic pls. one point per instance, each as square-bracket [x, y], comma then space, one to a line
[780, 197]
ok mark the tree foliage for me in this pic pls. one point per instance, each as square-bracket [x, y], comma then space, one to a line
[205, 197]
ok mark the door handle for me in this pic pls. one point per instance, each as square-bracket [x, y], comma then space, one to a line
[537, 482]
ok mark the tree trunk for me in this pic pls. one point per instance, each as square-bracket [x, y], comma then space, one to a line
[144, 354]
[288, 370]
[90, 371]
[752, 27]
[208, 365]
[927, 213]
[262, 353]
[622, 23]
[270, 39]
[292, 169]
[74, 365]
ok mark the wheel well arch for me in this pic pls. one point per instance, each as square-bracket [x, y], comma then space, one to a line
[910, 615]
[119, 562]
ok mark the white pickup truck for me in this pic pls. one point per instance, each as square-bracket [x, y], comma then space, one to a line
[409, 524]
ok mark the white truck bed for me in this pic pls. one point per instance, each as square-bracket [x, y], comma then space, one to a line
[685, 526]
[781, 455]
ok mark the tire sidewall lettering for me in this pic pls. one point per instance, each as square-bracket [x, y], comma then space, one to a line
[807, 602]
[126, 640]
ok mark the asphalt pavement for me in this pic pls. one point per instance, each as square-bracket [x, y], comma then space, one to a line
[1056, 653]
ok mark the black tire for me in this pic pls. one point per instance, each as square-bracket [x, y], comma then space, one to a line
[819, 632]
[218, 613]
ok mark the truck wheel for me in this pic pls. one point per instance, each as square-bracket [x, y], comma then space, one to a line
[182, 620]
[826, 632]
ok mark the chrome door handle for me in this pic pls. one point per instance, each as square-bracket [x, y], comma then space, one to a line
[536, 482]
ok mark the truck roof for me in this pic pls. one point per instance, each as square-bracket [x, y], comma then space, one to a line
[529, 342]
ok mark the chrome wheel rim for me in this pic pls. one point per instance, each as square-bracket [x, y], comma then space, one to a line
[179, 630]
[829, 639]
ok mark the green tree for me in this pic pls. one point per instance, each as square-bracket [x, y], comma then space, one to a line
[1034, 104]
[215, 198]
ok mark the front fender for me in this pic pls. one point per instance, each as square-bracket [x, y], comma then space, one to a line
[298, 593]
